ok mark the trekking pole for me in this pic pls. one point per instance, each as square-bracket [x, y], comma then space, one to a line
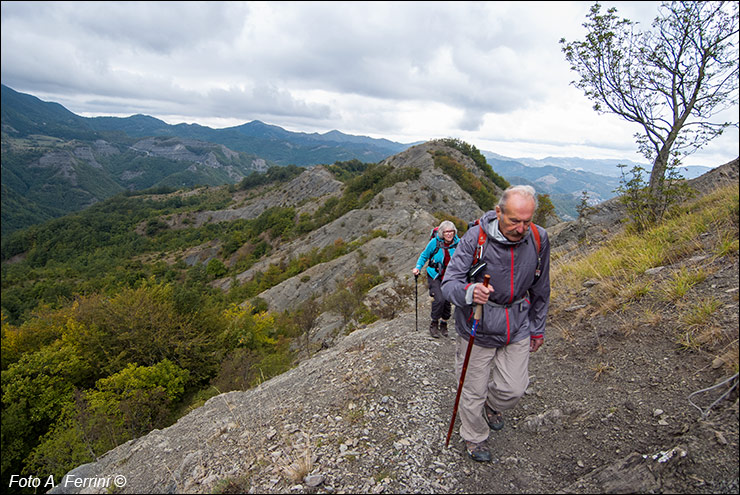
[416, 298]
[478, 314]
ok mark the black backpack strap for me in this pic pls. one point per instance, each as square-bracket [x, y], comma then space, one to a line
[536, 234]
[430, 261]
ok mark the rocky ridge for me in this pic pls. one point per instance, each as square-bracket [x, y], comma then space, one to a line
[199, 154]
[403, 211]
[370, 415]
[311, 187]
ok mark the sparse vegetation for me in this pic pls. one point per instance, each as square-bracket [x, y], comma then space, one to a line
[480, 161]
[628, 255]
[347, 299]
[600, 368]
[272, 175]
[702, 228]
[482, 191]
[675, 289]
[646, 206]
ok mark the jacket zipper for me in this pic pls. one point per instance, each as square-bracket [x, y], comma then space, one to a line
[511, 297]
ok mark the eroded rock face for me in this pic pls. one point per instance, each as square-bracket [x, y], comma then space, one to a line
[307, 191]
[173, 149]
[404, 212]
[63, 162]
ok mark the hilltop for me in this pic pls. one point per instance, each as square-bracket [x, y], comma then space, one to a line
[608, 408]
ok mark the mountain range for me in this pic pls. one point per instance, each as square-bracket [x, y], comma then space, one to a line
[55, 162]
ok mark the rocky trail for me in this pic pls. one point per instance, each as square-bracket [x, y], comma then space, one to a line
[371, 414]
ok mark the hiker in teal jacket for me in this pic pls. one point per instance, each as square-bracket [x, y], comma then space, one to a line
[438, 253]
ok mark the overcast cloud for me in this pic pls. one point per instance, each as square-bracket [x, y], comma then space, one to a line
[490, 73]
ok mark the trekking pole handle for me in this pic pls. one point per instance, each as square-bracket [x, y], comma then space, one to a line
[479, 307]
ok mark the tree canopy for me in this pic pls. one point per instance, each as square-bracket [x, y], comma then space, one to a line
[671, 80]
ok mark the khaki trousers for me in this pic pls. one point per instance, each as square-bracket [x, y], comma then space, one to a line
[499, 376]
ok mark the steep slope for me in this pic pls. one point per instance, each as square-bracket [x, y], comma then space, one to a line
[404, 212]
[57, 177]
[370, 415]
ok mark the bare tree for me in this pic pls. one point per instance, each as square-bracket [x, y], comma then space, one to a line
[306, 317]
[671, 80]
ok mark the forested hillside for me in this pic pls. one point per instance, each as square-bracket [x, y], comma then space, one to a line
[55, 162]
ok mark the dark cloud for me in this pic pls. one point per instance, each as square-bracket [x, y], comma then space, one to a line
[403, 70]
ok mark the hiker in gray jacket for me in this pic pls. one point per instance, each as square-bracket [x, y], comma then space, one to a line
[516, 254]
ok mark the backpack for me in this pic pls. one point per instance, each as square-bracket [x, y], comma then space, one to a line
[483, 237]
[430, 262]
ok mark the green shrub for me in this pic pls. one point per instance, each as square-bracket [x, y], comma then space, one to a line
[482, 192]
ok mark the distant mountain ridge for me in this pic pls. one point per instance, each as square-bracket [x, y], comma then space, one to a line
[603, 166]
[182, 155]
[271, 142]
[55, 162]
[565, 187]
[24, 115]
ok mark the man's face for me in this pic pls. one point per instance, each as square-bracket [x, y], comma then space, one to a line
[515, 219]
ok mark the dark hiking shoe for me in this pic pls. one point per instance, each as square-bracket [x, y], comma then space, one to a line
[434, 329]
[443, 328]
[494, 419]
[478, 451]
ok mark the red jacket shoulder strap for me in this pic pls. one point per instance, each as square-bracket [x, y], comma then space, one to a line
[536, 234]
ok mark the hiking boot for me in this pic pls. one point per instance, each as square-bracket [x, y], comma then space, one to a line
[494, 419]
[443, 328]
[478, 451]
[434, 329]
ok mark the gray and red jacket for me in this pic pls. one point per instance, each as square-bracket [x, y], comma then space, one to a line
[517, 308]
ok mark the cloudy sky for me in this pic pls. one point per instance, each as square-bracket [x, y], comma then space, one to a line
[490, 73]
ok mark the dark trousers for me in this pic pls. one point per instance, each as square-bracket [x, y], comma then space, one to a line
[440, 307]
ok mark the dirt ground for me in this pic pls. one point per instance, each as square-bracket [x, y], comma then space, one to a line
[609, 408]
